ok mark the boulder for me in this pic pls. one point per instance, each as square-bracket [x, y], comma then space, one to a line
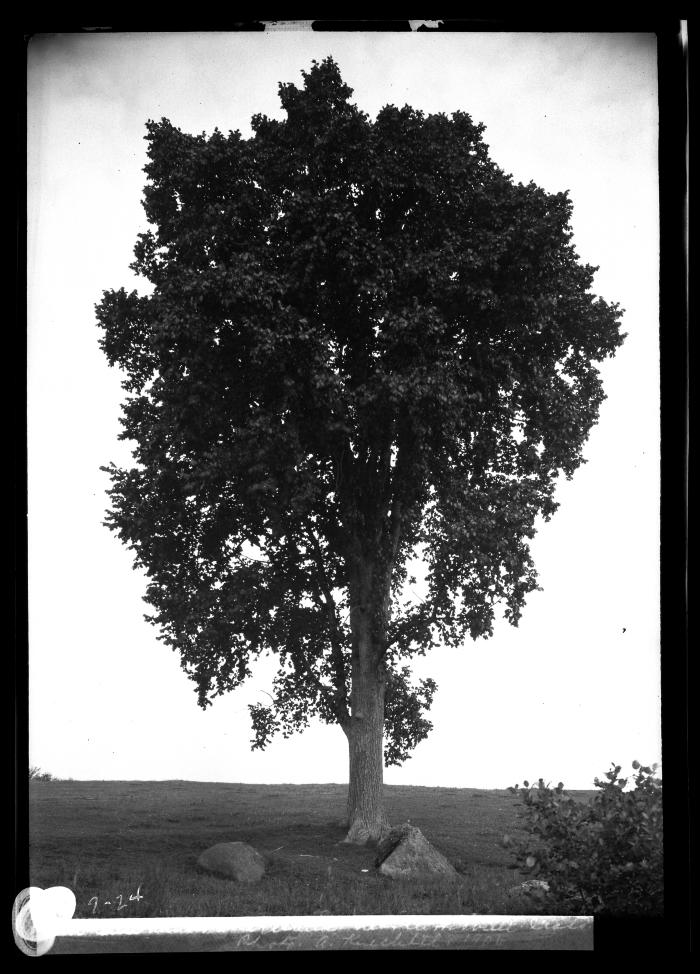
[405, 853]
[234, 860]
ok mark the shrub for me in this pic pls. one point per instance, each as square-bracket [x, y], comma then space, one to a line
[600, 857]
[36, 774]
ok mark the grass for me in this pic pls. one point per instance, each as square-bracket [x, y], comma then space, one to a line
[112, 842]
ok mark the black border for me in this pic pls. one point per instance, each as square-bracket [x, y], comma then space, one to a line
[673, 932]
[17, 708]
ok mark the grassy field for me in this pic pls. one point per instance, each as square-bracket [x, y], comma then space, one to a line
[129, 849]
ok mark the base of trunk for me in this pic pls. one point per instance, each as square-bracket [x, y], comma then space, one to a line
[360, 831]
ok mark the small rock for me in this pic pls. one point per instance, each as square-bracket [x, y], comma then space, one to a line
[538, 887]
[234, 860]
[405, 853]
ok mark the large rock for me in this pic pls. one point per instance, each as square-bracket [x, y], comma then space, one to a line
[234, 860]
[405, 853]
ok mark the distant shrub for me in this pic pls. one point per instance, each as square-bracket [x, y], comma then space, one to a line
[36, 774]
[600, 857]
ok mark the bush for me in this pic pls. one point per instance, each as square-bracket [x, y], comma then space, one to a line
[36, 774]
[600, 857]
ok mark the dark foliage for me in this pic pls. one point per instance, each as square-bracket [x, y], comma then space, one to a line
[363, 339]
[603, 857]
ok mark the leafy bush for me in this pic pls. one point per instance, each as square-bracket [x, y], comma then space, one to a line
[36, 774]
[600, 857]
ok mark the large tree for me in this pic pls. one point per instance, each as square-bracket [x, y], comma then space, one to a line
[363, 342]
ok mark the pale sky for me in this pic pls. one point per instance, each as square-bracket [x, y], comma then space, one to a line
[576, 685]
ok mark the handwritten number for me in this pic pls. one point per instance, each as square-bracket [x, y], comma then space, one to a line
[133, 897]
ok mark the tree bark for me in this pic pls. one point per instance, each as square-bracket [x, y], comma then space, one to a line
[367, 821]
[370, 599]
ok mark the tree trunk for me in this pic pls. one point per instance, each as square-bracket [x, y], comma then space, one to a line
[365, 732]
[369, 601]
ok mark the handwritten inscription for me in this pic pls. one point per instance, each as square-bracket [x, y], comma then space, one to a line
[118, 902]
[364, 939]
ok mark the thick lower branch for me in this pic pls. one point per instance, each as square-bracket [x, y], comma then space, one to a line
[328, 603]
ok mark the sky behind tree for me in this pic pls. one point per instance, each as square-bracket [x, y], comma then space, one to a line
[576, 685]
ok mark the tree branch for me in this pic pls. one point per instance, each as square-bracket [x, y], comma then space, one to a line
[330, 607]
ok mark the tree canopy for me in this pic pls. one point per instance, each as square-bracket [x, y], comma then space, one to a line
[363, 341]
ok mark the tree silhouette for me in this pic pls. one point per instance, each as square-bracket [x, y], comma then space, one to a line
[364, 341]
